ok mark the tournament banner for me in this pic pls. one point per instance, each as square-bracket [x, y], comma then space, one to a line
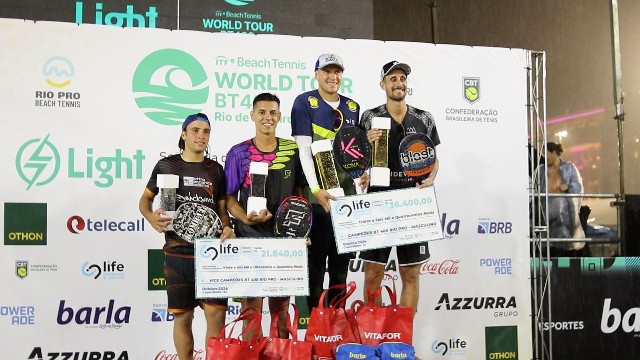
[385, 219]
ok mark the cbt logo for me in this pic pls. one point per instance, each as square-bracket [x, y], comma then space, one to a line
[453, 346]
[168, 85]
[38, 162]
[471, 89]
[494, 227]
[110, 270]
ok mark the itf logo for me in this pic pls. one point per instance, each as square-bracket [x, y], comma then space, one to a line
[37, 162]
[168, 85]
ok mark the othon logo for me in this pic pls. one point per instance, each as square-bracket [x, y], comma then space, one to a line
[25, 224]
[37, 162]
[58, 71]
[168, 85]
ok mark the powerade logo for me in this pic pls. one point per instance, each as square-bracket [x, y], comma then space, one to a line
[19, 315]
[25, 224]
[109, 316]
[76, 224]
[471, 89]
[58, 71]
[38, 162]
[500, 266]
[168, 85]
[494, 227]
[239, 2]
[453, 346]
[109, 270]
[128, 18]
[160, 313]
[37, 354]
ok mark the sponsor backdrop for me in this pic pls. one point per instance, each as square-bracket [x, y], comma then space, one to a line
[88, 110]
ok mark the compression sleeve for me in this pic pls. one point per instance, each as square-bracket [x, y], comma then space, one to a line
[306, 159]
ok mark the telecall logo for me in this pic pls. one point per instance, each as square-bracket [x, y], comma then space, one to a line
[77, 224]
[25, 224]
[38, 162]
[168, 85]
[128, 18]
[239, 2]
[110, 270]
[471, 89]
[485, 226]
[109, 316]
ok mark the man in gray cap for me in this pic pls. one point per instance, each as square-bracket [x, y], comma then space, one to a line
[406, 120]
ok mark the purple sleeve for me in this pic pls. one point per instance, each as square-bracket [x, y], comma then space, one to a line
[233, 171]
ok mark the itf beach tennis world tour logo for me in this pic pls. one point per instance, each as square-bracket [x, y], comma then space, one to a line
[168, 85]
[471, 89]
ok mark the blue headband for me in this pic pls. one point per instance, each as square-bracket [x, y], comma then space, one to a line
[192, 118]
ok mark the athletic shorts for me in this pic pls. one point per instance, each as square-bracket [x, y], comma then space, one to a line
[410, 254]
[179, 273]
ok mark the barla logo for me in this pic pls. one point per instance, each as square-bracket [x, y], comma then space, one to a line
[77, 224]
[38, 162]
[38, 354]
[239, 2]
[22, 268]
[109, 270]
[19, 315]
[129, 18]
[101, 317]
[485, 226]
[58, 71]
[613, 318]
[25, 224]
[160, 87]
[471, 89]
[500, 266]
[160, 313]
[450, 227]
[452, 346]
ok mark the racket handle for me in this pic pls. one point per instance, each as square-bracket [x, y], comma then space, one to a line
[359, 190]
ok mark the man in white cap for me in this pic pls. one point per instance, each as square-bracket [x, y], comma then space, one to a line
[318, 115]
[406, 120]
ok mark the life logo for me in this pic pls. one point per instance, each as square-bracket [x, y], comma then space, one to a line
[110, 270]
[471, 89]
[485, 226]
[452, 346]
[168, 85]
[239, 2]
[348, 208]
[209, 251]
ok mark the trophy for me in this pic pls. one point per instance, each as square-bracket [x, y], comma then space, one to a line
[168, 183]
[258, 172]
[323, 153]
[380, 174]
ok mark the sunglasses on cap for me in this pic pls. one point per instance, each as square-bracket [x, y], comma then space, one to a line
[338, 119]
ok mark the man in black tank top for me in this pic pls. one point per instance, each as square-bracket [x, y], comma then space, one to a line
[406, 120]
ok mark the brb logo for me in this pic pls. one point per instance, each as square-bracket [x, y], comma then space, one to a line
[168, 85]
[159, 313]
[494, 227]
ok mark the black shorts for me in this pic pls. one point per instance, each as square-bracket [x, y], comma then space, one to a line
[410, 254]
[179, 273]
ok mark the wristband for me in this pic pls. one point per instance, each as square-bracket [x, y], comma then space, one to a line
[315, 189]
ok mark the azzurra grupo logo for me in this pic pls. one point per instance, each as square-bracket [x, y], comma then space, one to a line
[170, 84]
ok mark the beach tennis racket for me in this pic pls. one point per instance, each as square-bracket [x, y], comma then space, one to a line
[293, 218]
[352, 152]
[417, 156]
[193, 221]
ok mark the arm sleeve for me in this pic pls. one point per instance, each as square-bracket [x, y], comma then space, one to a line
[301, 117]
[575, 182]
[306, 160]
[232, 175]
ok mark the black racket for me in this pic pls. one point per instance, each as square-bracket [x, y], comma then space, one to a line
[417, 156]
[352, 152]
[293, 218]
[196, 221]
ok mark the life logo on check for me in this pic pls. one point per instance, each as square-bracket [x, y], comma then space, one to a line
[212, 252]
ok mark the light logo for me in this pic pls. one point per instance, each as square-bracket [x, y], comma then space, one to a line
[37, 162]
[58, 71]
[168, 85]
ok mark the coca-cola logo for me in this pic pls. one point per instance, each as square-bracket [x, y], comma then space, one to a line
[198, 354]
[444, 267]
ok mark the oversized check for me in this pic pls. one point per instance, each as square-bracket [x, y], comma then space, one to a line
[251, 267]
[386, 218]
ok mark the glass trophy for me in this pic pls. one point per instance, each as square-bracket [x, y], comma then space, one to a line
[322, 151]
[168, 183]
[380, 174]
[258, 172]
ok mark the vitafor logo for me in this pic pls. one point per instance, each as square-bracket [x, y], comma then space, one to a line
[159, 313]
[168, 85]
[155, 270]
[630, 320]
[22, 268]
[444, 267]
[109, 270]
[25, 224]
[475, 303]
[501, 342]
[19, 315]
[38, 162]
[471, 89]
[58, 72]
[453, 346]
[494, 227]
[129, 18]
[38, 354]
[239, 2]
[76, 224]
[103, 317]
[500, 266]
[450, 227]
